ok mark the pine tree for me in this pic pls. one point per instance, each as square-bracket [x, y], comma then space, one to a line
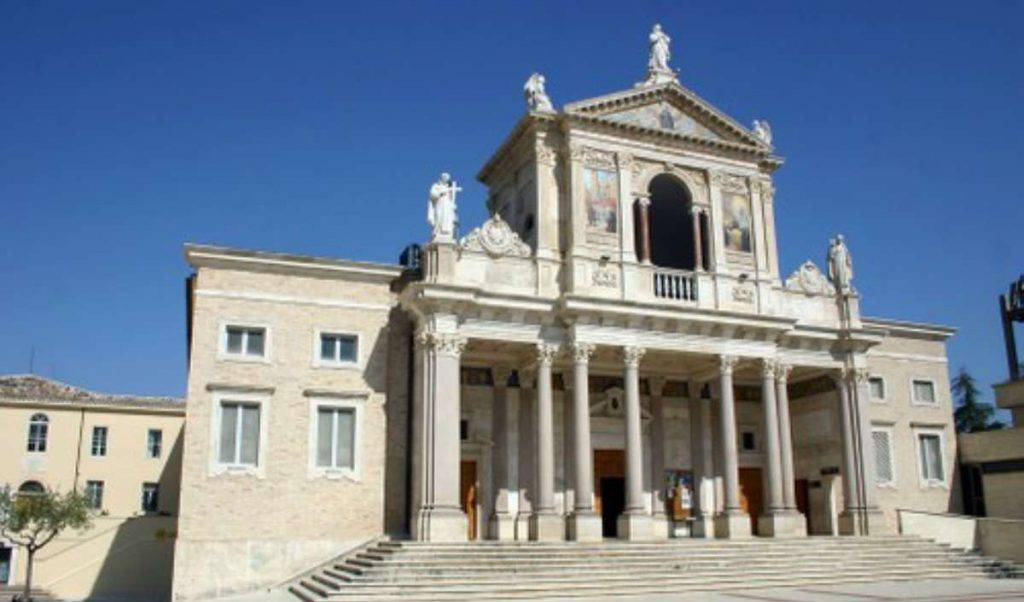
[971, 414]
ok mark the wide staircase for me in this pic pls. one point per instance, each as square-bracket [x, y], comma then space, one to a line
[414, 571]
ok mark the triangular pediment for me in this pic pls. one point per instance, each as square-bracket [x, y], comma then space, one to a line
[668, 108]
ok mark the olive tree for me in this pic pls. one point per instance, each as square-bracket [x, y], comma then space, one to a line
[31, 520]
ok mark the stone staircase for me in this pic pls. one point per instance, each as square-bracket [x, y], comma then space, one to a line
[419, 571]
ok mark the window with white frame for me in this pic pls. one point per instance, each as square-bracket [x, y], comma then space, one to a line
[99, 441]
[877, 386]
[338, 348]
[245, 341]
[154, 443]
[94, 494]
[885, 473]
[923, 391]
[150, 497]
[239, 433]
[38, 432]
[929, 447]
[335, 439]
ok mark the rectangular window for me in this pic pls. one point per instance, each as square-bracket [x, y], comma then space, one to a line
[877, 384]
[150, 497]
[924, 391]
[336, 435]
[882, 439]
[94, 494]
[930, 448]
[239, 433]
[245, 341]
[339, 348]
[747, 441]
[37, 431]
[154, 443]
[99, 441]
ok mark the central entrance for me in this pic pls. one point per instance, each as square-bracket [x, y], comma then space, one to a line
[610, 490]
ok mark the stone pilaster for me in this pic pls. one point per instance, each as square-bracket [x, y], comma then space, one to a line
[634, 523]
[733, 522]
[860, 516]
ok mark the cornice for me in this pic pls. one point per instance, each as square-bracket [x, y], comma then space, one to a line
[937, 332]
[208, 256]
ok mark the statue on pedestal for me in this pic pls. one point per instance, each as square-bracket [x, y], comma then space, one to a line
[840, 265]
[536, 98]
[442, 213]
[658, 71]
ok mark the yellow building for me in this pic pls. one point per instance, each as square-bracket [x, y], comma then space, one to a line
[124, 452]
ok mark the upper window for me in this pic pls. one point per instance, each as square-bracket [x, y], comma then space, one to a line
[239, 433]
[748, 441]
[930, 451]
[338, 348]
[884, 470]
[38, 431]
[336, 434]
[150, 497]
[923, 392]
[154, 443]
[877, 385]
[245, 341]
[94, 494]
[99, 441]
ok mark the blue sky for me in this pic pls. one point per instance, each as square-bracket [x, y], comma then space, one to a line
[130, 128]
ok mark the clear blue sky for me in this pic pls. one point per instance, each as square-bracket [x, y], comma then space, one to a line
[127, 129]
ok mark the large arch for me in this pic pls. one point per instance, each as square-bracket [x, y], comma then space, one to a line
[670, 224]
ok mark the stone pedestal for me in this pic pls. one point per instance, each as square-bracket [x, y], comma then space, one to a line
[442, 524]
[635, 526]
[502, 526]
[869, 522]
[547, 527]
[782, 524]
[733, 525]
[585, 527]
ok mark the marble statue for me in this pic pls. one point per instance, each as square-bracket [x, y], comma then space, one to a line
[763, 131]
[442, 212]
[658, 70]
[536, 98]
[840, 265]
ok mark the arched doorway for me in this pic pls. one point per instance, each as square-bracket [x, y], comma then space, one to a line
[670, 224]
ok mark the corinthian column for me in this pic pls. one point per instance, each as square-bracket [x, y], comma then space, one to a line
[545, 522]
[733, 522]
[439, 515]
[584, 523]
[634, 523]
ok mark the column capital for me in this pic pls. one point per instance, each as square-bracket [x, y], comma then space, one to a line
[839, 376]
[546, 353]
[631, 355]
[861, 376]
[442, 343]
[501, 374]
[782, 372]
[726, 363]
[582, 352]
[769, 368]
[644, 200]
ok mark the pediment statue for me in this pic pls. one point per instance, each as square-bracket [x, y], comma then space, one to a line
[442, 212]
[658, 70]
[536, 98]
[840, 265]
[809, 280]
[495, 238]
[763, 131]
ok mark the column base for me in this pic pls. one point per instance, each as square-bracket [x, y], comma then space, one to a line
[547, 527]
[867, 522]
[585, 526]
[661, 527]
[502, 526]
[782, 523]
[522, 527]
[441, 524]
[703, 526]
[635, 526]
[733, 524]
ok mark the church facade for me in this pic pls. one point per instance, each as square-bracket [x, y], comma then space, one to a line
[616, 352]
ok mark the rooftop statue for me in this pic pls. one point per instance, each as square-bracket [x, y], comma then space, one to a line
[763, 131]
[442, 212]
[840, 265]
[658, 70]
[536, 98]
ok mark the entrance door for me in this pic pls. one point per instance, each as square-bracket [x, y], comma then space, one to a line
[803, 500]
[751, 494]
[467, 494]
[5, 566]
[610, 490]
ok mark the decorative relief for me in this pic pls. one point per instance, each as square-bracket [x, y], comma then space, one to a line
[605, 278]
[769, 368]
[861, 376]
[545, 155]
[576, 152]
[625, 161]
[809, 280]
[766, 189]
[743, 294]
[729, 182]
[599, 158]
[496, 239]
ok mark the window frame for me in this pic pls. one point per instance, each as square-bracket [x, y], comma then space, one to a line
[159, 445]
[885, 389]
[216, 467]
[105, 443]
[913, 393]
[891, 432]
[45, 422]
[319, 362]
[222, 346]
[142, 499]
[919, 434]
[88, 495]
[354, 402]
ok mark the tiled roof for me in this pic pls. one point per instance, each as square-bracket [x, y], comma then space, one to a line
[32, 388]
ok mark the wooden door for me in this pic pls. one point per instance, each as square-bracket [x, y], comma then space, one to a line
[609, 487]
[803, 500]
[751, 494]
[467, 489]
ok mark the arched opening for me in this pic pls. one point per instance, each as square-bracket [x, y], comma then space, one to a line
[31, 488]
[670, 224]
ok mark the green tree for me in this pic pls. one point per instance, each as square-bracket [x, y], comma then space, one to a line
[32, 520]
[971, 414]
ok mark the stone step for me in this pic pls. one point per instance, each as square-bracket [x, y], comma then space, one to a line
[484, 545]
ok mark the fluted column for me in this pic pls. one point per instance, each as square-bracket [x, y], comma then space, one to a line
[733, 522]
[698, 250]
[502, 525]
[786, 437]
[657, 434]
[584, 524]
[439, 515]
[773, 459]
[644, 203]
[545, 522]
[634, 523]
